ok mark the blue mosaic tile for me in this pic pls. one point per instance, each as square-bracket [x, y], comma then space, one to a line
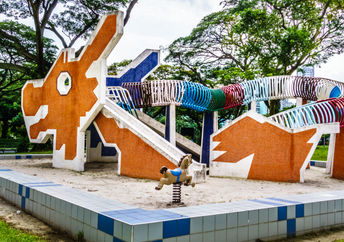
[117, 240]
[27, 192]
[105, 224]
[169, 229]
[291, 227]
[283, 200]
[312, 163]
[183, 227]
[45, 185]
[37, 183]
[265, 202]
[300, 210]
[138, 215]
[28, 157]
[175, 228]
[20, 189]
[282, 213]
[18, 157]
[23, 203]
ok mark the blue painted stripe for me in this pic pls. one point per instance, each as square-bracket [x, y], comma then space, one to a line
[208, 129]
[137, 73]
[266, 202]
[283, 200]
[167, 123]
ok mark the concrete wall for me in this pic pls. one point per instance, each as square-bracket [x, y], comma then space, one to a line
[255, 147]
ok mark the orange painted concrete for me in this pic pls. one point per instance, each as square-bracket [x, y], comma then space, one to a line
[64, 112]
[138, 159]
[278, 154]
[338, 162]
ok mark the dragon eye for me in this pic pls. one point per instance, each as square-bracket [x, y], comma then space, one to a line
[64, 83]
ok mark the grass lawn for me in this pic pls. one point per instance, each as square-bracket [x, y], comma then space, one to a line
[320, 153]
[8, 234]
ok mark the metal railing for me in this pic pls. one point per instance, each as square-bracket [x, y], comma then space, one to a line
[121, 97]
[328, 111]
[198, 97]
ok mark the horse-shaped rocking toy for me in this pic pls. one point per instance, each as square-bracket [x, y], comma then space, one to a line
[176, 177]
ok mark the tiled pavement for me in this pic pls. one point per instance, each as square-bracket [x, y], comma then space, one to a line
[105, 220]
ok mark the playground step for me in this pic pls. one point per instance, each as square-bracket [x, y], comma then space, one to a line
[182, 142]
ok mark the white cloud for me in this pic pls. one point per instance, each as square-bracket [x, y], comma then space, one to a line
[155, 23]
[333, 69]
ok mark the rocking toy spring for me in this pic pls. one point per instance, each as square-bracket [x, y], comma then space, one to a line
[177, 193]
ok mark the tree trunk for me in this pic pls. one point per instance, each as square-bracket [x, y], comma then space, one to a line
[274, 107]
[39, 40]
[4, 129]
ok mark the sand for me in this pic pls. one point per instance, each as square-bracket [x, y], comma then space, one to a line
[101, 179]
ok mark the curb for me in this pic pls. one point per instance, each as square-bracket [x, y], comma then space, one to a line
[25, 156]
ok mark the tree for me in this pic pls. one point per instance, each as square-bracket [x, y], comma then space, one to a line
[252, 38]
[18, 56]
[17, 65]
[68, 20]
[25, 52]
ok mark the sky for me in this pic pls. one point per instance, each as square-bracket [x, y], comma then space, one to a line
[155, 24]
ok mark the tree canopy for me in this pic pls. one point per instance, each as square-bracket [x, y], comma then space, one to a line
[26, 53]
[249, 38]
[67, 20]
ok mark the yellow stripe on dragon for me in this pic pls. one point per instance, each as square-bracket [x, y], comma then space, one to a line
[178, 175]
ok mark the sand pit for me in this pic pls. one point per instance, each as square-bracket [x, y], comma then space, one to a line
[101, 179]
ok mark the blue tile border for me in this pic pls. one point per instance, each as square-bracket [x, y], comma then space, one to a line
[266, 202]
[105, 224]
[23, 203]
[76, 209]
[300, 210]
[27, 192]
[282, 213]
[282, 200]
[31, 156]
[291, 227]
